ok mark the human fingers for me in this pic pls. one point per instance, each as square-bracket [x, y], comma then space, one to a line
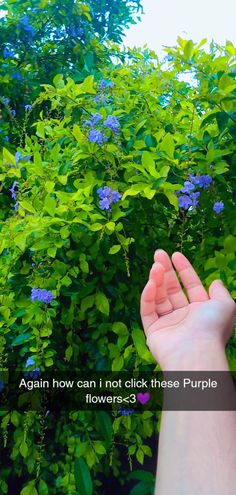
[163, 304]
[148, 305]
[173, 287]
[195, 290]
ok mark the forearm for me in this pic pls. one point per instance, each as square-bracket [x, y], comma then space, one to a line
[197, 449]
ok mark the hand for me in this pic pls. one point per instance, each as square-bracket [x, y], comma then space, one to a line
[185, 333]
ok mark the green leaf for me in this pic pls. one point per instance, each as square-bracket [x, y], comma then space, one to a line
[142, 488]
[8, 157]
[87, 302]
[29, 490]
[21, 339]
[168, 145]
[27, 206]
[148, 163]
[105, 425]
[114, 249]
[140, 455]
[77, 133]
[141, 475]
[50, 205]
[23, 449]
[230, 244]
[102, 303]
[82, 477]
[96, 226]
[87, 85]
[42, 488]
[118, 363]
[99, 447]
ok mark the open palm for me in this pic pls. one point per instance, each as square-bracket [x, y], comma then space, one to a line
[175, 324]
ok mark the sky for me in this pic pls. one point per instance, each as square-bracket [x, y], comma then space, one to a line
[165, 20]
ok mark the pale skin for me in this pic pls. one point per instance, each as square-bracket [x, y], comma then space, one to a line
[188, 332]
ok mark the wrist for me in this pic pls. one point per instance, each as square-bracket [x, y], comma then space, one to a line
[208, 357]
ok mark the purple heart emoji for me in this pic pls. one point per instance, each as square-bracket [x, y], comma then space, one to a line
[143, 398]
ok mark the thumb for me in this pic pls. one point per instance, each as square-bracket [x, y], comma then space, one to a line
[218, 291]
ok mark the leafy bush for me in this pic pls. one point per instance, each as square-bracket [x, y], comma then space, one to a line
[110, 170]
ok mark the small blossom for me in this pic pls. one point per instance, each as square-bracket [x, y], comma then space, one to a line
[34, 374]
[202, 181]
[188, 186]
[6, 138]
[97, 137]
[112, 123]
[184, 202]
[17, 76]
[41, 295]
[194, 197]
[5, 100]
[12, 190]
[125, 412]
[108, 196]
[13, 112]
[16, 206]
[2, 385]
[94, 120]
[24, 24]
[29, 362]
[7, 52]
[218, 207]
[28, 107]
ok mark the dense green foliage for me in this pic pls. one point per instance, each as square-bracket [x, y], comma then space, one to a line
[56, 235]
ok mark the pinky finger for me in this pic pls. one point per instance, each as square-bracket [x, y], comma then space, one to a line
[148, 305]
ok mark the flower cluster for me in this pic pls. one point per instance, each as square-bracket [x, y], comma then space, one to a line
[218, 207]
[76, 32]
[112, 123]
[17, 76]
[189, 197]
[96, 135]
[108, 196]
[14, 193]
[25, 25]
[105, 84]
[41, 295]
[35, 373]
[7, 52]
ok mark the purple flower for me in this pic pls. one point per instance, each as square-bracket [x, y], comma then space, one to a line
[125, 412]
[112, 123]
[17, 76]
[17, 158]
[94, 120]
[12, 190]
[41, 295]
[97, 137]
[13, 112]
[97, 98]
[34, 374]
[105, 84]
[5, 100]
[184, 202]
[194, 197]
[28, 107]
[202, 181]
[218, 207]
[29, 362]
[7, 52]
[188, 187]
[24, 24]
[6, 138]
[16, 206]
[108, 196]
